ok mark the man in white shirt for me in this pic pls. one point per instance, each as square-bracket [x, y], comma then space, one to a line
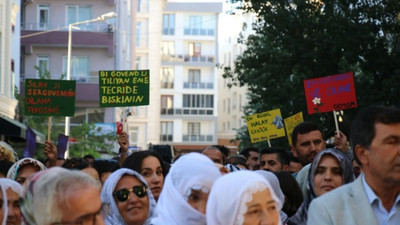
[374, 198]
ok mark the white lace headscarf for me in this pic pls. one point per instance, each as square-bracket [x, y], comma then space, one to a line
[229, 195]
[273, 180]
[114, 217]
[6, 183]
[191, 171]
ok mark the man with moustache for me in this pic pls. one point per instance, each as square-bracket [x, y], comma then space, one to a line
[374, 198]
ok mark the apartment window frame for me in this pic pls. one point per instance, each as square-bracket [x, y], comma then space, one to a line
[79, 15]
[166, 131]
[194, 76]
[77, 72]
[45, 24]
[168, 24]
[39, 61]
[194, 128]
[167, 77]
[194, 49]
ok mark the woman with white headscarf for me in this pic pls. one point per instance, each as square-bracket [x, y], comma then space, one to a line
[243, 197]
[23, 168]
[10, 193]
[129, 198]
[273, 180]
[184, 196]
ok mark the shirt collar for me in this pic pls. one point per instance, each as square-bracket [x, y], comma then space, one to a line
[371, 194]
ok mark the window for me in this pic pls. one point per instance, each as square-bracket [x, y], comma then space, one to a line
[198, 101]
[194, 76]
[168, 24]
[138, 32]
[79, 67]
[168, 48]
[133, 136]
[43, 16]
[76, 13]
[195, 49]
[167, 104]
[167, 77]
[194, 129]
[166, 131]
[195, 24]
[43, 65]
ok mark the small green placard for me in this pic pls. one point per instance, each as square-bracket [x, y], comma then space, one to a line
[124, 88]
[49, 97]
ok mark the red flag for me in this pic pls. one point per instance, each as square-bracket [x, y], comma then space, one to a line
[120, 127]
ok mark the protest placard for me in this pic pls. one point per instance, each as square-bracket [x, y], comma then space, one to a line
[291, 122]
[124, 88]
[265, 126]
[49, 97]
[330, 93]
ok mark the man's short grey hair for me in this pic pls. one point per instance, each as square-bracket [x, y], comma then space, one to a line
[47, 191]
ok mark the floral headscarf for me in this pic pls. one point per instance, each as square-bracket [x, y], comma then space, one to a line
[13, 171]
[114, 217]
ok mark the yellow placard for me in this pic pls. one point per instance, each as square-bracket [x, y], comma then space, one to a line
[265, 126]
[291, 122]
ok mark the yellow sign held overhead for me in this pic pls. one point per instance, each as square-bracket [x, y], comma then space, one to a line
[265, 126]
[291, 122]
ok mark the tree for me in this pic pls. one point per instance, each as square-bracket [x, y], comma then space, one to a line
[296, 40]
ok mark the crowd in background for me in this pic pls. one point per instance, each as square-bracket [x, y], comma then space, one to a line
[355, 181]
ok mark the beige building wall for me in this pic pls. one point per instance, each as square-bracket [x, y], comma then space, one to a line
[9, 40]
[231, 99]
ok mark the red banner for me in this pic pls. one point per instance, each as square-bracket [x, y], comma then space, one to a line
[330, 93]
[120, 127]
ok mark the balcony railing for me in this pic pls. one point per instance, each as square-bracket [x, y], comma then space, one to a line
[199, 31]
[188, 58]
[198, 85]
[167, 85]
[165, 137]
[94, 27]
[197, 138]
[187, 111]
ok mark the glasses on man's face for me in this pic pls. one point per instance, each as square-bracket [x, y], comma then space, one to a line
[89, 219]
[123, 194]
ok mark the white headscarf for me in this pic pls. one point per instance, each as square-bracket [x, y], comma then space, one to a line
[273, 180]
[114, 217]
[227, 201]
[6, 183]
[191, 171]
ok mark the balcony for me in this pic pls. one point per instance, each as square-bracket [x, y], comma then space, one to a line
[165, 137]
[198, 85]
[187, 111]
[199, 31]
[197, 138]
[167, 85]
[189, 59]
[91, 35]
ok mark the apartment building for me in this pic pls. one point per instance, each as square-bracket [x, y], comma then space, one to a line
[188, 77]
[232, 98]
[44, 43]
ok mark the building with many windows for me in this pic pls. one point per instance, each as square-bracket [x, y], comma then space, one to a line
[44, 42]
[188, 75]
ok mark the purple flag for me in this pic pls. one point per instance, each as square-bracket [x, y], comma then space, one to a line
[62, 145]
[30, 145]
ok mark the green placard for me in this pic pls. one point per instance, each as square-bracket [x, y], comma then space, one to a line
[124, 88]
[49, 97]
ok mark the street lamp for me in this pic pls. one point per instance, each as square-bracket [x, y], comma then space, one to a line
[103, 17]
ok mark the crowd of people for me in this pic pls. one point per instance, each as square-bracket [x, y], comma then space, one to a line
[312, 183]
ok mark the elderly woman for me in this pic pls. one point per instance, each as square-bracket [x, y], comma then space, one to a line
[184, 197]
[23, 168]
[243, 197]
[330, 169]
[10, 192]
[129, 198]
[61, 196]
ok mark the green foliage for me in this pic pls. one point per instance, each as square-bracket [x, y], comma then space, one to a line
[297, 40]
